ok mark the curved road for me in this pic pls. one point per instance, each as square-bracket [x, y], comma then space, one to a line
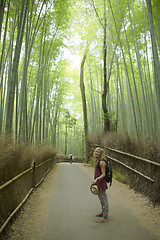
[67, 210]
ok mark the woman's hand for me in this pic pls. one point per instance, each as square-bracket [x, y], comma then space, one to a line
[94, 181]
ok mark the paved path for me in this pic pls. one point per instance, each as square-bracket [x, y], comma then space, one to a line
[67, 211]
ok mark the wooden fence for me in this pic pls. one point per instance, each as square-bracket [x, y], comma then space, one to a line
[15, 192]
[143, 174]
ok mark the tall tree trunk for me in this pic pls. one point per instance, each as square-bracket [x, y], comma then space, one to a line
[14, 76]
[82, 87]
[106, 83]
[31, 33]
[2, 6]
[93, 115]
[44, 104]
[127, 74]
[4, 37]
[148, 81]
[138, 112]
[155, 53]
[158, 20]
[66, 139]
[55, 128]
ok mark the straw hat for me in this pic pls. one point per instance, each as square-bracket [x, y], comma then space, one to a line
[95, 189]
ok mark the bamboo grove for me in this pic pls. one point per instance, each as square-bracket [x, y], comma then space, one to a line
[40, 94]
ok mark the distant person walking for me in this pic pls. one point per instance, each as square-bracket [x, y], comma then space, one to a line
[99, 179]
[70, 158]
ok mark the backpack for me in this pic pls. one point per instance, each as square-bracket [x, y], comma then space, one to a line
[108, 176]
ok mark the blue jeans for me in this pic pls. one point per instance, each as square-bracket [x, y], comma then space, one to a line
[104, 203]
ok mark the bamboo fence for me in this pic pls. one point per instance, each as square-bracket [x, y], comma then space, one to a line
[29, 179]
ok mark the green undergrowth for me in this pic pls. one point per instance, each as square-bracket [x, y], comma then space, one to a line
[121, 177]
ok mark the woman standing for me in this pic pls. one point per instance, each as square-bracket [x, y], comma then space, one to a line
[99, 179]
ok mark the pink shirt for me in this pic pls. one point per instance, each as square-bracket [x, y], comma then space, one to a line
[102, 182]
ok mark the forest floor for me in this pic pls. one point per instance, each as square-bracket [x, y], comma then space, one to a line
[51, 210]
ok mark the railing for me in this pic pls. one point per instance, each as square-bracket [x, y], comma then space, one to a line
[15, 192]
[143, 174]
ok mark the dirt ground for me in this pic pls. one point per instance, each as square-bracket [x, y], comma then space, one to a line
[34, 212]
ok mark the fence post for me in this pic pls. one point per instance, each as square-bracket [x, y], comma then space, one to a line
[33, 174]
[156, 187]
